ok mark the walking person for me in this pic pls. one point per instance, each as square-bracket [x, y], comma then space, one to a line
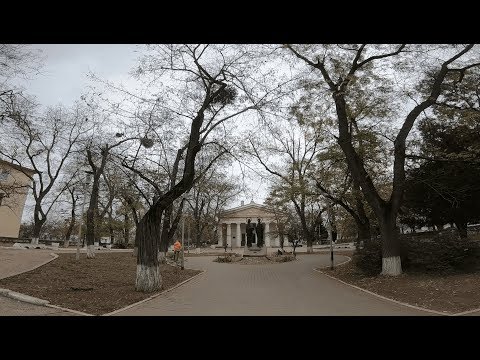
[176, 250]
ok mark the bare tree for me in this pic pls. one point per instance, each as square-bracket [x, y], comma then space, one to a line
[208, 196]
[17, 61]
[293, 147]
[97, 164]
[345, 68]
[74, 198]
[44, 143]
[208, 80]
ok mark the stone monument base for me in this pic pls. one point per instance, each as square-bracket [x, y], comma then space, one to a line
[255, 251]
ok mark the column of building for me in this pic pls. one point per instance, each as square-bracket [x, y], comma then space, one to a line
[229, 234]
[238, 236]
[220, 237]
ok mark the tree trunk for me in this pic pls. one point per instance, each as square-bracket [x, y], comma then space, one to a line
[70, 228]
[112, 234]
[92, 212]
[162, 257]
[38, 224]
[164, 239]
[149, 278]
[149, 230]
[308, 235]
[90, 251]
[462, 228]
[69, 232]
[391, 263]
[66, 243]
[197, 233]
[363, 222]
[363, 231]
[126, 230]
[90, 233]
[37, 228]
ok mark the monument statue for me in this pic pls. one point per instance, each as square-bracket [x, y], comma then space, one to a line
[250, 230]
[260, 230]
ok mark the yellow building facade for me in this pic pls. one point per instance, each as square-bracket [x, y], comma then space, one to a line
[14, 185]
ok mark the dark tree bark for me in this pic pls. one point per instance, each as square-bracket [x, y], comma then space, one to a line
[72, 218]
[148, 229]
[38, 223]
[169, 228]
[359, 215]
[131, 205]
[126, 229]
[92, 211]
[307, 231]
[461, 225]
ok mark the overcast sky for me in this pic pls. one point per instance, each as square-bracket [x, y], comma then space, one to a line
[63, 77]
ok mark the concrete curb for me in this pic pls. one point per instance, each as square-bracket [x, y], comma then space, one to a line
[23, 297]
[54, 256]
[27, 298]
[68, 310]
[156, 295]
[380, 296]
[467, 312]
[12, 248]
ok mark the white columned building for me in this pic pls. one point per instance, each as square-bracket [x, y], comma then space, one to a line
[235, 220]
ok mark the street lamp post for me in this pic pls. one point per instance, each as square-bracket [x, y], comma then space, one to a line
[188, 238]
[183, 235]
[87, 182]
[330, 227]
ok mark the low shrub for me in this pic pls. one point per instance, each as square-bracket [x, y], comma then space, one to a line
[369, 258]
[229, 257]
[444, 252]
[281, 258]
[119, 246]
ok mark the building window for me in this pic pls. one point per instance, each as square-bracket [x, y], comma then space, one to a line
[4, 175]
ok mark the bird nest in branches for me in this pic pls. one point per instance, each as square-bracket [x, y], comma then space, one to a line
[225, 96]
[146, 142]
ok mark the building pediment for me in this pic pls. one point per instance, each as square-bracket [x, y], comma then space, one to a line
[249, 211]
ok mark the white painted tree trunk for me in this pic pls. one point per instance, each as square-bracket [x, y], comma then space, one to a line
[161, 258]
[309, 249]
[197, 250]
[90, 251]
[34, 241]
[148, 278]
[391, 266]
[66, 243]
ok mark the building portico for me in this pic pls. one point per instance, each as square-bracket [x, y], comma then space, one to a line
[233, 222]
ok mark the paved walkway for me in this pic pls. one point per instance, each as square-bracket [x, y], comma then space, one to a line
[291, 288]
[11, 307]
[14, 261]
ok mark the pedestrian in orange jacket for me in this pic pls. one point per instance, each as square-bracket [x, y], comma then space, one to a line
[176, 249]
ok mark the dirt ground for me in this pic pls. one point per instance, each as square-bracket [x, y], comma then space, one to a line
[95, 286]
[450, 294]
